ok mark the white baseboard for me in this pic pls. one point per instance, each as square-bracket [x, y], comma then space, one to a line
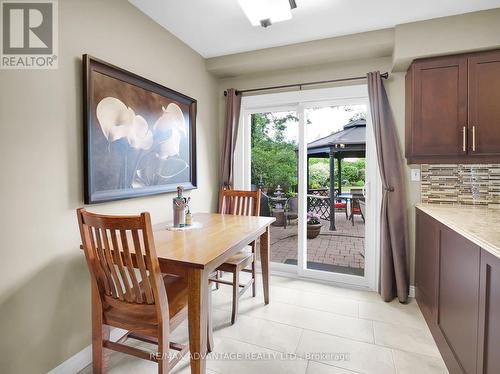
[83, 358]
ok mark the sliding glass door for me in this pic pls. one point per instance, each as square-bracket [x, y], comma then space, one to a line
[312, 156]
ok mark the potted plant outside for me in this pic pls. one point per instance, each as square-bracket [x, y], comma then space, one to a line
[313, 225]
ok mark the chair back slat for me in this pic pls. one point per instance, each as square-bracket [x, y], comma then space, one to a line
[124, 278]
[103, 270]
[130, 268]
[148, 292]
[112, 246]
[112, 257]
[114, 280]
[248, 205]
[244, 203]
[238, 204]
[231, 204]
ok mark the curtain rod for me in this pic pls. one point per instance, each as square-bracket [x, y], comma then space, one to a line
[300, 85]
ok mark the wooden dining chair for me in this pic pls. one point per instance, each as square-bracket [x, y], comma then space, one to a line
[245, 203]
[130, 292]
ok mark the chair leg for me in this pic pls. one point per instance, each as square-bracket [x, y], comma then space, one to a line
[163, 362]
[254, 272]
[217, 276]
[236, 293]
[100, 332]
[163, 349]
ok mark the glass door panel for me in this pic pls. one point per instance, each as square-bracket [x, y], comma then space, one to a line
[335, 178]
[274, 141]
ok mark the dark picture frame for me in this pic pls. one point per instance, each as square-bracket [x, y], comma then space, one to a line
[139, 136]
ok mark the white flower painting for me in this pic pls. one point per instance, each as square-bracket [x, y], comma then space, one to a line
[159, 142]
[140, 138]
[118, 121]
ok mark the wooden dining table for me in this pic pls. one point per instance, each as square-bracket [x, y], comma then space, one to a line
[197, 253]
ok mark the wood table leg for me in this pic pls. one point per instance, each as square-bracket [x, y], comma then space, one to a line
[210, 332]
[264, 261]
[197, 318]
[100, 332]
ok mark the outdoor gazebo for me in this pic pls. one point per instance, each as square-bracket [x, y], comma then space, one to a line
[350, 142]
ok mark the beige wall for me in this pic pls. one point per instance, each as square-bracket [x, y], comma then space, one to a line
[463, 33]
[373, 44]
[44, 292]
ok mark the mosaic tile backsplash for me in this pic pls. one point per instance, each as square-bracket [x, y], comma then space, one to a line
[461, 184]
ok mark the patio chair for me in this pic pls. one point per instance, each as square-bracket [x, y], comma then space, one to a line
[356, 208]
[265, 211]
[341, 206]
[291, 210]
[362, 206]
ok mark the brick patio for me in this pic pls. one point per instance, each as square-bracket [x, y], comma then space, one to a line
[344, 247]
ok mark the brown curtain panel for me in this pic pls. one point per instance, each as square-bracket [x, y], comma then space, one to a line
[233, 107]
[394, 280]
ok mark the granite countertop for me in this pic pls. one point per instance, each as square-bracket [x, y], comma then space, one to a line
[481, 225]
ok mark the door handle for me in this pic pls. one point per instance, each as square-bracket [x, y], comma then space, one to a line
[473, 138]
[464, 139]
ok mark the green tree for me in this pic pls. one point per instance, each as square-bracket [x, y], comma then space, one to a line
[273, 158]
[319, 174]
[352, 171]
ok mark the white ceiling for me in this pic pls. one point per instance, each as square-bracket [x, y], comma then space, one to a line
[219, 27]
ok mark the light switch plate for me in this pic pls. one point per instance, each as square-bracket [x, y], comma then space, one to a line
[415, 175]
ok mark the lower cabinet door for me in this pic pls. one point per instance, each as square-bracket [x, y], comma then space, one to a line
[489, 315]
[458, 297]
[426, 265]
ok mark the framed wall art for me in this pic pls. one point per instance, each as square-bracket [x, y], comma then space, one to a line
[139, 136]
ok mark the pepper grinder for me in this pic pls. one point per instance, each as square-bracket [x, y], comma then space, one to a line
[179, 204]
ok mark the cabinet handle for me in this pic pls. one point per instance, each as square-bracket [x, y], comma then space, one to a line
[464, 139]
[473, 138]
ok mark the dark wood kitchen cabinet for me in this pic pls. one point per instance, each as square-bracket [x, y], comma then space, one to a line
[458, 297]
[484, 103]
[426, 265]
[489, 315]
[452, 112]
[457, 287]
[436, 107]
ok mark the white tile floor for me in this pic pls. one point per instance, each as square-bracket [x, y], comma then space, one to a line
[310, 321]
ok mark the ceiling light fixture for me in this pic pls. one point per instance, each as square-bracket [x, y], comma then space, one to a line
[267, 12]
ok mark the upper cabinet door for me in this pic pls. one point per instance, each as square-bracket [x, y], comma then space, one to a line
[438, 108]
[484, 104]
